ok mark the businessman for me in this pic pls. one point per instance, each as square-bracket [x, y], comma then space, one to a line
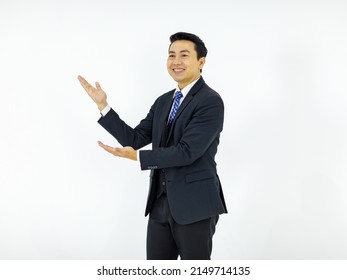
[185, 197]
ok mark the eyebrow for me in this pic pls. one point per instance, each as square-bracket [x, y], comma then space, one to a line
[182, 51]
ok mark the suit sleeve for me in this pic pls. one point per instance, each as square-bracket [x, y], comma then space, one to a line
[201, 131]
[137, 137]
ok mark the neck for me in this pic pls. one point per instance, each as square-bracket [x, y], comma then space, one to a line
[183, 85]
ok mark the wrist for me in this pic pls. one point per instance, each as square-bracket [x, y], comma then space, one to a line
[102, 106]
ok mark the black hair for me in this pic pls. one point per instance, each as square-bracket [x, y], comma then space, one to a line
[200, 47]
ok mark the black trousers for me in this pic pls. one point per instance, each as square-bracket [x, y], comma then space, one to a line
[166, 240]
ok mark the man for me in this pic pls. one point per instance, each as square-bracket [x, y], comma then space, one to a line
[183, 125]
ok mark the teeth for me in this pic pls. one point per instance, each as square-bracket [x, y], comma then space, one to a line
[178, 70]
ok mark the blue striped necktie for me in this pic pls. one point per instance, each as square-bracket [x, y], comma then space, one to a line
[175, 106]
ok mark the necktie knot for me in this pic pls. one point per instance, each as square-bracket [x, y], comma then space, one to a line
[175, 106]
[178, 95]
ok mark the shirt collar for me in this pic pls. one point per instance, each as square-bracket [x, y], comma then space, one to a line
[186, 89]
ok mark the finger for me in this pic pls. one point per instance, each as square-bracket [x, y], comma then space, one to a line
[81, 79]
[84, 83]
[102, 145]
[106, 147]
[97, 85]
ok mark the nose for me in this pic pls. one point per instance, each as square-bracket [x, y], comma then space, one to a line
[177, 61]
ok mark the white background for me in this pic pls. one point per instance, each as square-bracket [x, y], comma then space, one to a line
[280, 67]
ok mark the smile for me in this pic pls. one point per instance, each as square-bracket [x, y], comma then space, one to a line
[178, 70]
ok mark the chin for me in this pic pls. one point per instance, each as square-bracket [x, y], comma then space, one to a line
[176, 79]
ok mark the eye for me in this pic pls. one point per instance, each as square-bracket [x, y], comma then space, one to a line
[171, 56]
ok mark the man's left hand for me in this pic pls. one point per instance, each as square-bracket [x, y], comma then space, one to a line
[125, 152]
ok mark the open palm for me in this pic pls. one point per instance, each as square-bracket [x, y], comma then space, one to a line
[96, 93]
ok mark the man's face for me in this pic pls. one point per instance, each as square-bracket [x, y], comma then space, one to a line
[182, 64]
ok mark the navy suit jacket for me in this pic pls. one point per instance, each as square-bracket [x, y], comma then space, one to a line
[193, 188]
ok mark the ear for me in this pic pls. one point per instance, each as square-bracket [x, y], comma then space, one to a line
[202, 61]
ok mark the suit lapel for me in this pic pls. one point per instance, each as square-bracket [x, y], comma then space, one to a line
[166, 106]
[185, 102]
[189, 97]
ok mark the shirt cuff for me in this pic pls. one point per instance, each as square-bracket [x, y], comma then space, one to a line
[105, 110]
[138, 155]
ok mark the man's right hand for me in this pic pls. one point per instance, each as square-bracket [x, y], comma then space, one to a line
[96, 93]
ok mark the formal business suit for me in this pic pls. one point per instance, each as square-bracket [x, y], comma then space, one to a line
[187, 157]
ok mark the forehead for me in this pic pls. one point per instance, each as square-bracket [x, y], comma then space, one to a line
[181, 45]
